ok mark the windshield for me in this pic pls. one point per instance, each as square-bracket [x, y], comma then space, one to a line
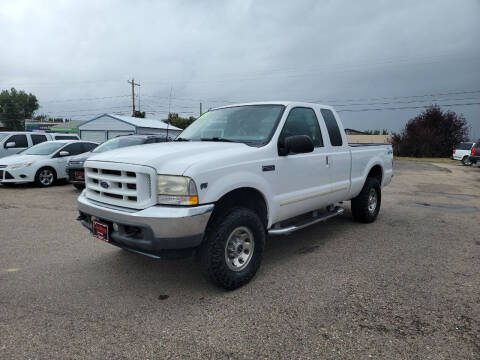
[119, 142]
[2, 136]
[45, 148]
[251, 124]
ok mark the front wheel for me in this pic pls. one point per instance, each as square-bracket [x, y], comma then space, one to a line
[45, 177]
[366, 206]
[232, 250]
[466, 161]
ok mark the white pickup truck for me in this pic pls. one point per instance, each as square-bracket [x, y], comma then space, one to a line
[236, 174]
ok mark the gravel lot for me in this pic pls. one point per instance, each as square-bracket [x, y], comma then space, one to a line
[404, 287]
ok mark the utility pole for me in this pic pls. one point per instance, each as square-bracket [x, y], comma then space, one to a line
[200, 109]
[133, 94]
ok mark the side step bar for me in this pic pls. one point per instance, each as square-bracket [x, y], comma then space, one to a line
[338, 210]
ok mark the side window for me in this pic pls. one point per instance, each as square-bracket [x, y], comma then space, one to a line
[37, 139]
[19, 140]
[66, 137]
[302, 121]
[332, 127]
[74, 149]
[88, 147]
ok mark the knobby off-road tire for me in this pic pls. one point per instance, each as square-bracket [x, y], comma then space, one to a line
[45, 177]
[366, 206]
[232, 250]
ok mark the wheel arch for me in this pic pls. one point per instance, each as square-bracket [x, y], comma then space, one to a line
[376, 171]
[245, 196]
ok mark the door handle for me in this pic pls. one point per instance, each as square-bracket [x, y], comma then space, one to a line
[326, 160]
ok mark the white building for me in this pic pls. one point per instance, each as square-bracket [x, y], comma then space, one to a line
[107, 126]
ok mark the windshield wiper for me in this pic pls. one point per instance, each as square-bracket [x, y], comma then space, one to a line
[217, 139]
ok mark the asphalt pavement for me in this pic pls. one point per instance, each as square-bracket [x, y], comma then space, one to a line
[404, 287]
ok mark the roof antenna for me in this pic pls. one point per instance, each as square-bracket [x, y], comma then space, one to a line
[169, 104]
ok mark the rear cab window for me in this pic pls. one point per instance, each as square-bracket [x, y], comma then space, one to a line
[332, 127]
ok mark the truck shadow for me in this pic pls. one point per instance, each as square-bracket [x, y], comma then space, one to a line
[281, 248]
[181, 277]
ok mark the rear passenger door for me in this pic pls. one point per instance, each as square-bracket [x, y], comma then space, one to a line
[338, 157]
[302, 182]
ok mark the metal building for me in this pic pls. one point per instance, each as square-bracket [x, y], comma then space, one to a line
[107, 126]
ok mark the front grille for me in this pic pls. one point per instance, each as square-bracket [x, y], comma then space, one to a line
[1, 174]
[8, 176]
[109, 183]
[3, 166]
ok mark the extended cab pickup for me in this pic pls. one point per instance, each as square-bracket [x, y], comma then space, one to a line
[233, 176]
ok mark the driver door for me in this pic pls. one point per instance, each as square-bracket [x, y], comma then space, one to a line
[303, 182]
[60, 162]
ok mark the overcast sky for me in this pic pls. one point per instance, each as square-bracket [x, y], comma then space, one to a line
[76, 56]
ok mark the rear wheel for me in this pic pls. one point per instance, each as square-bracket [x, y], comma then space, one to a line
[45, 177]
[232, 250]
[366, 206]
[466, 161]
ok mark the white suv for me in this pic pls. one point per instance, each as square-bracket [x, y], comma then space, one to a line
[462, 152]
[13, 142]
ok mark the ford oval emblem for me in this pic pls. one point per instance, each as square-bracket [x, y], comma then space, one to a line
[104, 184]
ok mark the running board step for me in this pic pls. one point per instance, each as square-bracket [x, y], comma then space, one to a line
[338, 210]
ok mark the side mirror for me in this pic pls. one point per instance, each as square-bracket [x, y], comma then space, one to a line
[296, 144]
[10, 144]
[64, 153]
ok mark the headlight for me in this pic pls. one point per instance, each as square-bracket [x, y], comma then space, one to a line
[176, 190]
[20, 165]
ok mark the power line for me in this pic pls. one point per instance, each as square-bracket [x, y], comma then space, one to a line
[407, 102]
[406, 97]
[406, 107]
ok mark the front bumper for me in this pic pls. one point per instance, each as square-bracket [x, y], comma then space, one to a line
[150, 230]
[21, 175]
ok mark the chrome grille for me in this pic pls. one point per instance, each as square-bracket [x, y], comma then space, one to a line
[111, 183]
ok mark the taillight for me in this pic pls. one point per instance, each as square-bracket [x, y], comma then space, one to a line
[454, 151]
[474, 151]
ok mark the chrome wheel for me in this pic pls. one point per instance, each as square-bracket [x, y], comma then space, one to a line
[46, 177]
[372, 200]
[239, 248]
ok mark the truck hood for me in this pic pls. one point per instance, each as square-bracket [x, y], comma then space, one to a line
[172, 157]
[16, 159]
